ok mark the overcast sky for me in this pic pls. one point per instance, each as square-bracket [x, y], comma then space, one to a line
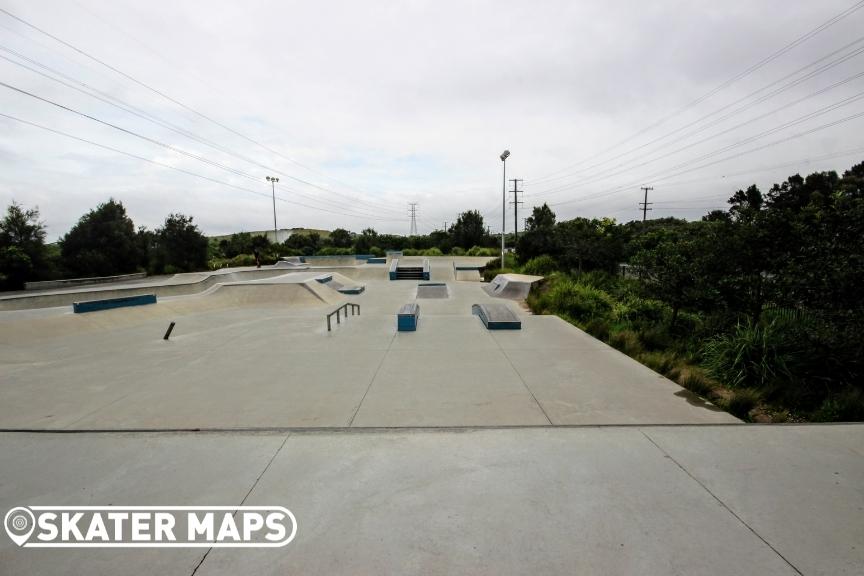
[372, 105]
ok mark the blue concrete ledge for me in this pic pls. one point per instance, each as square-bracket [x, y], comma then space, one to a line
[394, 265]
[352, 289]
[376, 260]
[407, 317]
[109, 303]
[324, 278]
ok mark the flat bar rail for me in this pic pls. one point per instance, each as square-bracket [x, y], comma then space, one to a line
[338, 312]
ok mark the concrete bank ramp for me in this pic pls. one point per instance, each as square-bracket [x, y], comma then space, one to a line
[177, 285]
[497, 316]
[339, 283]
[29, 326]
[511, 286]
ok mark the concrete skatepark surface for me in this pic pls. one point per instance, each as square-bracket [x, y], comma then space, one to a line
[452, 449]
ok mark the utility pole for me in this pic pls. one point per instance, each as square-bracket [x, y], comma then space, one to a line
[273, 180]
[445, 226]
[412, 209]
[645, 204]
[525, 224]
[504, 156]
[516, 203]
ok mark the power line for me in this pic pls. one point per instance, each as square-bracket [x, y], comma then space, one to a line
[175, 101]
[747, 140]
[160, 143]
[138, 112]
[184, 171]
[781, 89]
[768, 59]
[659, 176]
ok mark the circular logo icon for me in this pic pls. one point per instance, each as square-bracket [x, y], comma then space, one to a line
[19, 523]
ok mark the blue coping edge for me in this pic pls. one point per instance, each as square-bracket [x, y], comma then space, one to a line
[324, 279]
[480, 311]
[426, 271]
[394, 264]
[352, 289]
[376, 260]
[109, 303]
[408, 317]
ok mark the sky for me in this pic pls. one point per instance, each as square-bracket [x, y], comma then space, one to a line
[362, 107]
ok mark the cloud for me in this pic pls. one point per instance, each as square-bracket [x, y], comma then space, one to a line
[374, 106]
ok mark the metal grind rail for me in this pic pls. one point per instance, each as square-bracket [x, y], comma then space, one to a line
[338, 312]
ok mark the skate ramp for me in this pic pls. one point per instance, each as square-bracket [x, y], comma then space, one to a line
[436, 290]
[177, 285]
[20, 327]
[511, 286]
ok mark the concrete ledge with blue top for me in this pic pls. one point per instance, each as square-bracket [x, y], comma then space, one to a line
[407, 317]
[109, 303]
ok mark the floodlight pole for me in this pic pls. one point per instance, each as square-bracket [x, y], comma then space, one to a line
[504, 156]
[273, 180]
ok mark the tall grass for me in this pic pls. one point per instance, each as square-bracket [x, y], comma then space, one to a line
[752, 355]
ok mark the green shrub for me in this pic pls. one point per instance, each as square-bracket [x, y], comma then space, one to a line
[540, 266]
[655, 338]
[626, 341]
[646, 312]
[599, 279]
[742, 402]
[752, 355]
[845, 406]
[490, 273]
[481, 251]
[660, 362]
[578, 301]
[457, 251]
[410, 252]
[242, 260]
[598, 328]
[509, 262]
[333, 251]
[431, 252]
[695, 381]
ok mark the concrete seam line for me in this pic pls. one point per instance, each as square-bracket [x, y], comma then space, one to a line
[372, 380]
[723, 504]
[521, 379]
[377, 429]
[254, 484]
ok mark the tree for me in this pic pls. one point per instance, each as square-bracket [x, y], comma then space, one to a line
[180, 246]
[671, 262]
[102, 243]
[468, 230]
[593, 244]
[539, 236]
[22, 247]
[341, 238]
[365, 241]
